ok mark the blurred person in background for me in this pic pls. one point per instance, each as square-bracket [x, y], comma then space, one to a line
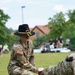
[61, 41]
[67, 42]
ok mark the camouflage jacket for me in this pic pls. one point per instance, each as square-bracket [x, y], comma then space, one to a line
[23, 56]
[62, 68]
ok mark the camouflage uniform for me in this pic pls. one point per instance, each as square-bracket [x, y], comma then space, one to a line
[22, 59]
[62, 68]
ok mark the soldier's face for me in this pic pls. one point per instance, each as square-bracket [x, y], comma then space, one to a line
[24, 38]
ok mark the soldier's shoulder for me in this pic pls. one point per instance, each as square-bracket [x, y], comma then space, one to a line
[17, 45]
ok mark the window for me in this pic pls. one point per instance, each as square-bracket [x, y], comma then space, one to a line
[37, 34]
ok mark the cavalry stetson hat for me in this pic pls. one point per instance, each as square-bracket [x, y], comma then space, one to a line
[23, 30]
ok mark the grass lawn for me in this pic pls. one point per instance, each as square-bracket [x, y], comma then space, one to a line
[41, 60]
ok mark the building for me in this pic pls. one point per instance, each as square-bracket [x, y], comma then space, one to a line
[39, 30]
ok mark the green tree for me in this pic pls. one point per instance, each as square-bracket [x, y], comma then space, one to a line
[71, 16]
[9, 30]
[3, 19]
[57, 25]
[10, 39]
[70, 27]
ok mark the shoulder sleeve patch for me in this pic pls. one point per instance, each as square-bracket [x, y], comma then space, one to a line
[19, 52]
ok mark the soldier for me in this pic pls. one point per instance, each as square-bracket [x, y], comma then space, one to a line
[22, 56]
[65, 67]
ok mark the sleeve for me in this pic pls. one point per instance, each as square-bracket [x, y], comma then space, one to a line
[22, 60]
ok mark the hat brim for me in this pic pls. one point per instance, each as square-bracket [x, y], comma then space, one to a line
[19, 34]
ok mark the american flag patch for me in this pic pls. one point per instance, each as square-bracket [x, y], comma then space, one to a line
[19, 52]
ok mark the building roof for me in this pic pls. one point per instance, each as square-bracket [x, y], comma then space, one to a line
[44, 29]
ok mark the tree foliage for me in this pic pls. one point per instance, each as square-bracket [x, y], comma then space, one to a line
[3, 19]
[57, 24]
[70, 27]
[9, 30]
[71, 16]
[10, 39]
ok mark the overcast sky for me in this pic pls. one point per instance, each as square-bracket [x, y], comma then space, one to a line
[36, 12]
